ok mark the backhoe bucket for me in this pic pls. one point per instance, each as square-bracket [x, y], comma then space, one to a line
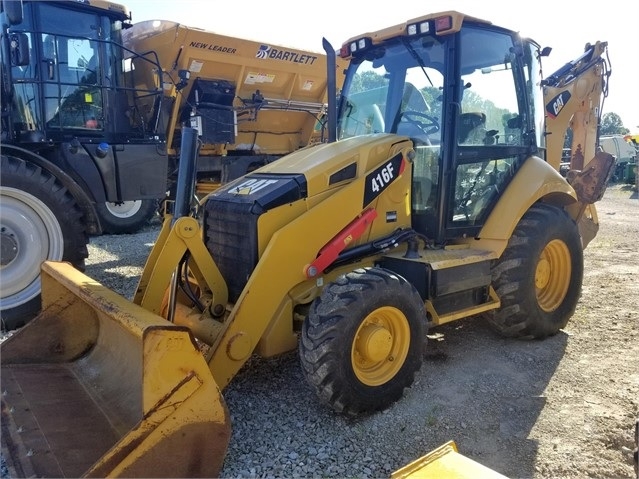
[446, 462]
[96, 386]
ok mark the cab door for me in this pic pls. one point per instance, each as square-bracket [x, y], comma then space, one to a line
[492, 123]
[70, 70]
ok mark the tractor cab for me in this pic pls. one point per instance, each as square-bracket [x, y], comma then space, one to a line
[71, 77]
[468, 96]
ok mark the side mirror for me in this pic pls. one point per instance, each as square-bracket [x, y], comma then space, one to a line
[13, 11]
[19, 48]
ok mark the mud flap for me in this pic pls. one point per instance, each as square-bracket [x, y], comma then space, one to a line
[96, 386]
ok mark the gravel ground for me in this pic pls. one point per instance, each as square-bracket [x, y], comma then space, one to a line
[562, 407]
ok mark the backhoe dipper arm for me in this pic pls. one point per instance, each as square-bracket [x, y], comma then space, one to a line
[573, 97]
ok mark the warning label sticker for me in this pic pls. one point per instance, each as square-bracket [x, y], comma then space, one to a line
[255, 77]
[196, 66]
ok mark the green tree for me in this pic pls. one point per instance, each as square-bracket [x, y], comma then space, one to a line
[367, 81]
[611, 124]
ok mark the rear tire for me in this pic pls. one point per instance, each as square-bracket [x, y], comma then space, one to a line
[39, 220]
[539, 276]
[363, 341]
[126, 217]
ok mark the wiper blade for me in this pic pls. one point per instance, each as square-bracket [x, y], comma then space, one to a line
[418, 59]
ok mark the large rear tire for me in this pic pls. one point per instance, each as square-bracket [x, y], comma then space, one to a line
[39, 220]
[539, 276]
[126, 217]
[363, 340]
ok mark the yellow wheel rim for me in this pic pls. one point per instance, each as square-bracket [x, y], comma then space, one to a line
[380, 346]
[552, 275]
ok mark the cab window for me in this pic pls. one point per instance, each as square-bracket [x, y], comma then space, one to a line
[71, 69]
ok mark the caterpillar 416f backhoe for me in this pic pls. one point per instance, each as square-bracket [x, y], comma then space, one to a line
[438, 198]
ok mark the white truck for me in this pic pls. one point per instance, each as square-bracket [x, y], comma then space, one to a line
[626, 157]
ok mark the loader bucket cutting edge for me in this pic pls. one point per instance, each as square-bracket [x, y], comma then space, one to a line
[96, 386]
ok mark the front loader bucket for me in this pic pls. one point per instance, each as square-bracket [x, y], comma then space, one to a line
[96, 386]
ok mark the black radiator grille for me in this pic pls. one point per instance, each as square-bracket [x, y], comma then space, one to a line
[231, 238]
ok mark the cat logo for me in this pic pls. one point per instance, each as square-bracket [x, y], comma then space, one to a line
[251, 186]
[554, 106]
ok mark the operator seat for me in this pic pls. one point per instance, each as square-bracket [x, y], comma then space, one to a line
[472, 128]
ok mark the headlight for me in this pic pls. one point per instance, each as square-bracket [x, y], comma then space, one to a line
[418, 28]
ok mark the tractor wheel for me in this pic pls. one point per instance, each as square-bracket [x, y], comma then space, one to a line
[363, 340]
[39, 220]
[127, 216]
[538, 278]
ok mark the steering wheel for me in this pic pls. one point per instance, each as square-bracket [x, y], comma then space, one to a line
[425, 123]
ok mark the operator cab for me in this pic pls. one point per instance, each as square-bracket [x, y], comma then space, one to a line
[469, 99]
[71, 77]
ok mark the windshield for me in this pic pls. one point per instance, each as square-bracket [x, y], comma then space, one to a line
[397, 88]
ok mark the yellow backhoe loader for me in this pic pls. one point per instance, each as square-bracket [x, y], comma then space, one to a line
[437, 198]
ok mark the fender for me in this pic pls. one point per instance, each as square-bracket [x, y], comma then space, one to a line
[535, 181]
[81, 197]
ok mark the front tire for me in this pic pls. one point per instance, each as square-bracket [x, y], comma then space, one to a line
[539, 276]
[363, 340]
[127, 216]
[39, 220]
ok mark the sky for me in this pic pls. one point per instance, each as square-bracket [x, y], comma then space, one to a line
[565, 26]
